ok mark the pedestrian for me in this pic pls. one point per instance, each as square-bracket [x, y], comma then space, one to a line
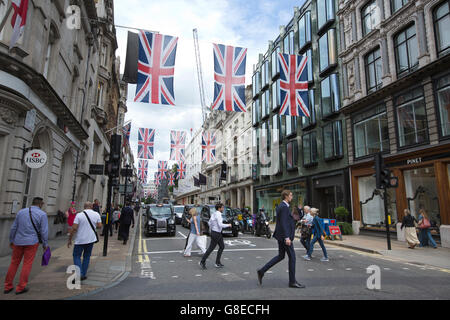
[115, 218]
[215, 227]
[30, 227]
[319, 235]
[306, 228]
[284, 233]
[409, 223]
[96, 206]
[70, 216]
[126, 220]
[86, 237]
[107, 226]
[425, 237]
[196, 234]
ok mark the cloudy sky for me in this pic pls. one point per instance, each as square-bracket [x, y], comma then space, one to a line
[249, 24]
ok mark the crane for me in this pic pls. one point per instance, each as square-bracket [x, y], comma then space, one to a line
[199, 74]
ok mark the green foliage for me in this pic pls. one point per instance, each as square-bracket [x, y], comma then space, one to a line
[341, 212]
[346, 228]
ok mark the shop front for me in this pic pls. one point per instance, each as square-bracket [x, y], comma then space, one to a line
[424, 180]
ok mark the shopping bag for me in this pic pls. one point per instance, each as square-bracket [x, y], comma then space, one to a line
[46, 257]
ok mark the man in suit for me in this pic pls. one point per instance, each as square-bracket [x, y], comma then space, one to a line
[284, 233]
[125, 220]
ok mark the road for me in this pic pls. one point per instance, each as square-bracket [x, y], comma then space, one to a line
[161, 272]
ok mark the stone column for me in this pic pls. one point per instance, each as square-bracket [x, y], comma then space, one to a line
[424, 56]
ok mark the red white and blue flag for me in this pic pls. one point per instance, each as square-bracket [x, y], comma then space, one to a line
[177, 144]
[181, 170]
[126, 130]
[171, 178]
[208, 146]
[146, 142]
[229, 76]
[162, 169]
[156, 67]
[157, 179]
[293, 85]
[143, 170]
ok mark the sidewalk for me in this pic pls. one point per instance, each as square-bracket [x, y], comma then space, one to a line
[49, 283]
[426, 256]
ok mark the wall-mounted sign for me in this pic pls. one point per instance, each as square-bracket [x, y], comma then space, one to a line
[35, 159]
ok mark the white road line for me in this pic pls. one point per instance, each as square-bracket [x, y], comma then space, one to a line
[310, 270]
[182, 235]
[198, 275]
[226, 250]
[349, 269]
[246, 272]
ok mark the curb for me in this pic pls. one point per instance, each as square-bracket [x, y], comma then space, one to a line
[352, 247]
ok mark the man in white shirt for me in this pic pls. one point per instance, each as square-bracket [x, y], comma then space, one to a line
[215, 227]
[84, 227]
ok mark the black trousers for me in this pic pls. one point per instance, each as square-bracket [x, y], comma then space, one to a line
[216, 239]
[124, 231]
[282, 250]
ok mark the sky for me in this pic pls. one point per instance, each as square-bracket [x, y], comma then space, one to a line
[250, 24]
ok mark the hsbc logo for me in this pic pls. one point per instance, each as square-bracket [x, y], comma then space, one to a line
[35, 155]
[35, 159]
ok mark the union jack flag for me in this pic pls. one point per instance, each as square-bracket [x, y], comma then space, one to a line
[157, 179]
[229, 76]
[143, 170]
[146, 141]
[126, 134]
[293, 85]
[171, 179]
[208, 146]
[181, 170]
[162, 169]
[156, 66]
[177, 142]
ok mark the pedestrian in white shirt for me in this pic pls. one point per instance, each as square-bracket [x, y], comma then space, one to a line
[86, 235]
[215, 228]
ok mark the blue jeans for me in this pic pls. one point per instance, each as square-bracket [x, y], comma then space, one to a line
[311, 246]
[86, 250]
[426, 238]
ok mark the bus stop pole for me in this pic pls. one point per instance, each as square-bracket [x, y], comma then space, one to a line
[386, 216]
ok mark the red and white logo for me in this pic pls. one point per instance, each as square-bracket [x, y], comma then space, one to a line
[35, 159]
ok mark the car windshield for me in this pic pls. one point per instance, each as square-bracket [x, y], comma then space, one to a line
[160, 211]
[178, 209]
[227, 213]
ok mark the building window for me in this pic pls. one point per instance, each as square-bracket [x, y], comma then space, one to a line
[397, 4]
[329, 95]
[309, 149]
[405, 44]
[373, 67]
[100, 95]
[256, 83]
[411, 118]
[104, 55]
[325, 13]
[291, 125]
[441, 18]
[276, 128]
[265, 74]
[307, 121]
[275, 66]
[332, 140]
[288, 43]
[443, 103]
[310, 65]
[276, 95]
[370, 16]
[304, 30]
[291, 154]
[265, 108]
[327, 50]
[370, 132]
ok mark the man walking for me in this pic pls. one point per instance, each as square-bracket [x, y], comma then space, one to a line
[28, 230]
[86, 236]
[215, 227]
[125, 220]
[284, 233]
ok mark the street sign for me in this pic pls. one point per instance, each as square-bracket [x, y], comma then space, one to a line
[126, 172]
[334, 230]
[122, 188]
[96, 169]
[35, 159]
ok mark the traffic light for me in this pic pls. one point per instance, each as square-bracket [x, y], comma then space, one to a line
[382, 174]
[113, 165]
[379, 164]
[385, 176]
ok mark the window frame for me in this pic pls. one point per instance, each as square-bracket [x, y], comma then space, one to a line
[256, 87]
[312, 149]
[328, 12]
[277, 67]
[367, 65]
[293, 126]
[364, 15]
[437, 106]
[275, 89]
[306, 17]
[333, 108]
[392, 3]
[294, 142]
[335, 134]
[331, 49]
[440, 52]
[410, 68]
[312, 111]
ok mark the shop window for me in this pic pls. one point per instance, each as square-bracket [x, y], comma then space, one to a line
[372, 205]
[411, 118]
[397, 4]
[406, 51]
[330, 98]
[333, 140]
[327, 50]
[421, 193]
[308, 121]
[309, 149]
[291, 154]
[304, 30]
[443, 103]
[325, 13]
[370, 132]
[441, 17]
[370, 17]
[372, 63]
[275, 65]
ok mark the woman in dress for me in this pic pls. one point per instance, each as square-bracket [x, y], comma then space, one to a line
[425, 234]
[410, 229]
[70, 215]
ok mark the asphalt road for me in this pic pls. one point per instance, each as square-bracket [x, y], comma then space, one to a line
[161, 272]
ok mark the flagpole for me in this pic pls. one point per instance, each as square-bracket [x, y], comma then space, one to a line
[125, 123]
[6, 17]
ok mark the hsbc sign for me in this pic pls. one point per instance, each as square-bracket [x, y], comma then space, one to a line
[35, 159]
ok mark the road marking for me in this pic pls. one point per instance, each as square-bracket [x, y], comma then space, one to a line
[330, 269]
[246, 272]
[175, 277]
[349, 269]
[310, 270]
[387, 269]
[182, 235]
[269, 272]
[198, 275]
[227, 250]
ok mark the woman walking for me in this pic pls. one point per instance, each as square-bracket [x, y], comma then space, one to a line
[410, 229]
[116, 217]
[70, 215]
[195, 234]
[318, 236]
[425, 237]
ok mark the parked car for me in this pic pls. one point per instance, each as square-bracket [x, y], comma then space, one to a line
[227, 215]
[159, 218]
[186, 216]
[178, 213]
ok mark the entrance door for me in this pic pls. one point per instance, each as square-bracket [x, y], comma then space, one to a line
[327, 202]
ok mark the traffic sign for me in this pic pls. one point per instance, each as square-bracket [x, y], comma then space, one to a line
[334, 230]
[96, 169]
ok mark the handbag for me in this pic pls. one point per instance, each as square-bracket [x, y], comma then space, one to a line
[425, 224]
[92, 226]
[35, 229]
